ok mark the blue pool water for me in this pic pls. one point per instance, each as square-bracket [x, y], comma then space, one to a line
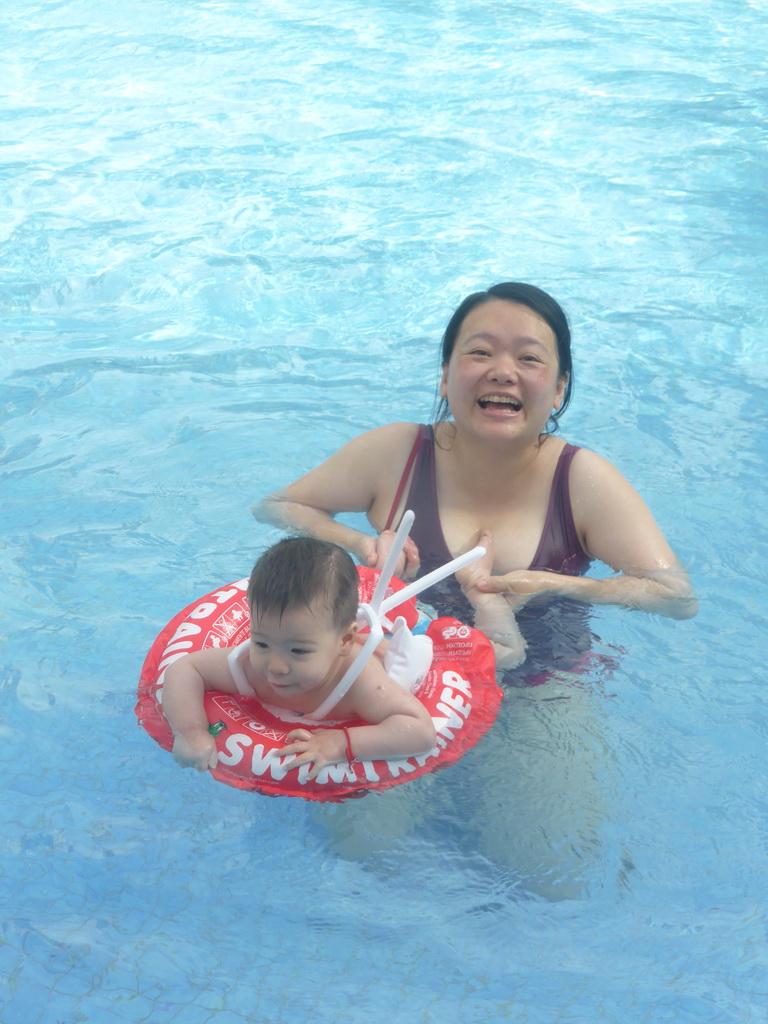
[232, 235]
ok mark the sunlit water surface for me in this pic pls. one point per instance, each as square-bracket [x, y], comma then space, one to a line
[232, 235]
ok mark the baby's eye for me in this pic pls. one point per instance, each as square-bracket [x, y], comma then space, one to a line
[299, 650]
[259, 643]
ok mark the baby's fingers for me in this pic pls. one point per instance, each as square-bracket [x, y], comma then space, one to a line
[292, 748]
[301, 759]
[299, 734]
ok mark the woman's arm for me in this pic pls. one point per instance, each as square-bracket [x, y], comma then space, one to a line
[615, 526]
[665, 592]
[361, 477]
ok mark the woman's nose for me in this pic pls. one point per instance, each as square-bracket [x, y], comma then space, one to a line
[502, 369]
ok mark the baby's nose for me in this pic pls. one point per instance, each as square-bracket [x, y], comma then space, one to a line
[278, 666]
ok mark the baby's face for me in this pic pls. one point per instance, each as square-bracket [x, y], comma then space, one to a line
[297, 651]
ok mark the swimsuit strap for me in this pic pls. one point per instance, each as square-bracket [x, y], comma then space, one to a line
[559, 547]
[404, 477]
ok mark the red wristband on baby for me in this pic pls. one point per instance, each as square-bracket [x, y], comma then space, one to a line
[348, 752]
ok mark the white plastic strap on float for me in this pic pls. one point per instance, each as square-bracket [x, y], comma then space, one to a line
[371, 612]
[390, 562]
[415, 588]
[244, 688]
[379, 605]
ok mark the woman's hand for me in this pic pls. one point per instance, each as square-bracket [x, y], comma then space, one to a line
[481, 588]
[324, 747]
[375, 550]
[521, 585]
[198, 752]
[476, 571]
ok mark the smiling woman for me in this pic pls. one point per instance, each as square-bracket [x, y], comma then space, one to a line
[495, 470]
[503, 374]
[490, 469]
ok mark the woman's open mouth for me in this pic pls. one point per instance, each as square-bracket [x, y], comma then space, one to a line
[500, 402]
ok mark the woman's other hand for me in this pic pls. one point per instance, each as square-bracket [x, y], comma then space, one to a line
[520, 585]
[375, 553]
[480, 587]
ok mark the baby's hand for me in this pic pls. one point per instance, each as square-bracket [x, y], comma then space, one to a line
[497, 620]
[199, 753]
[476, 571]
[324, 747]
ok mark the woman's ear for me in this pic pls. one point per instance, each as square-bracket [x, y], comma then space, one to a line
[562, 384]
[444, 382]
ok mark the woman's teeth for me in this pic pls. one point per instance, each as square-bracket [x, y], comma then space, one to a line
[511, 403]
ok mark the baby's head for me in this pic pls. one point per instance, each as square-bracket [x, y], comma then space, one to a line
[302, 572]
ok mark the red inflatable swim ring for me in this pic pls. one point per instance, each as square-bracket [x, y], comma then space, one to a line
[460, 692]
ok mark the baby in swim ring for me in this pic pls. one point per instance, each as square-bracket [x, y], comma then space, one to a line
[303, 599]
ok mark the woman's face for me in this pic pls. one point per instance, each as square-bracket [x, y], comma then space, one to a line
[503, 378]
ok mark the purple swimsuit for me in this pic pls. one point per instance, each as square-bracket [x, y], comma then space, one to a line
[556, 629]
[559, 548]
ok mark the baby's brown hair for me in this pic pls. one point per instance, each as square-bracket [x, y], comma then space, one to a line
[296, 571]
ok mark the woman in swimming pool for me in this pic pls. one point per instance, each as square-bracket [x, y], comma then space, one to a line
[496, 471]
[534, 795]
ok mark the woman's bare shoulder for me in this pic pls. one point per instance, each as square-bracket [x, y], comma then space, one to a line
[380, 450]
[614, 522]
[590, 470]
[391, 435]
[360, 472]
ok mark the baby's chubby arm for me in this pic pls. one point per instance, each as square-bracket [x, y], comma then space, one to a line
[186, 681]
[494, 617]
[399, 725]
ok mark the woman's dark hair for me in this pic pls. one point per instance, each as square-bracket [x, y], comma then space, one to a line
[541, 303]
[296, 571]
